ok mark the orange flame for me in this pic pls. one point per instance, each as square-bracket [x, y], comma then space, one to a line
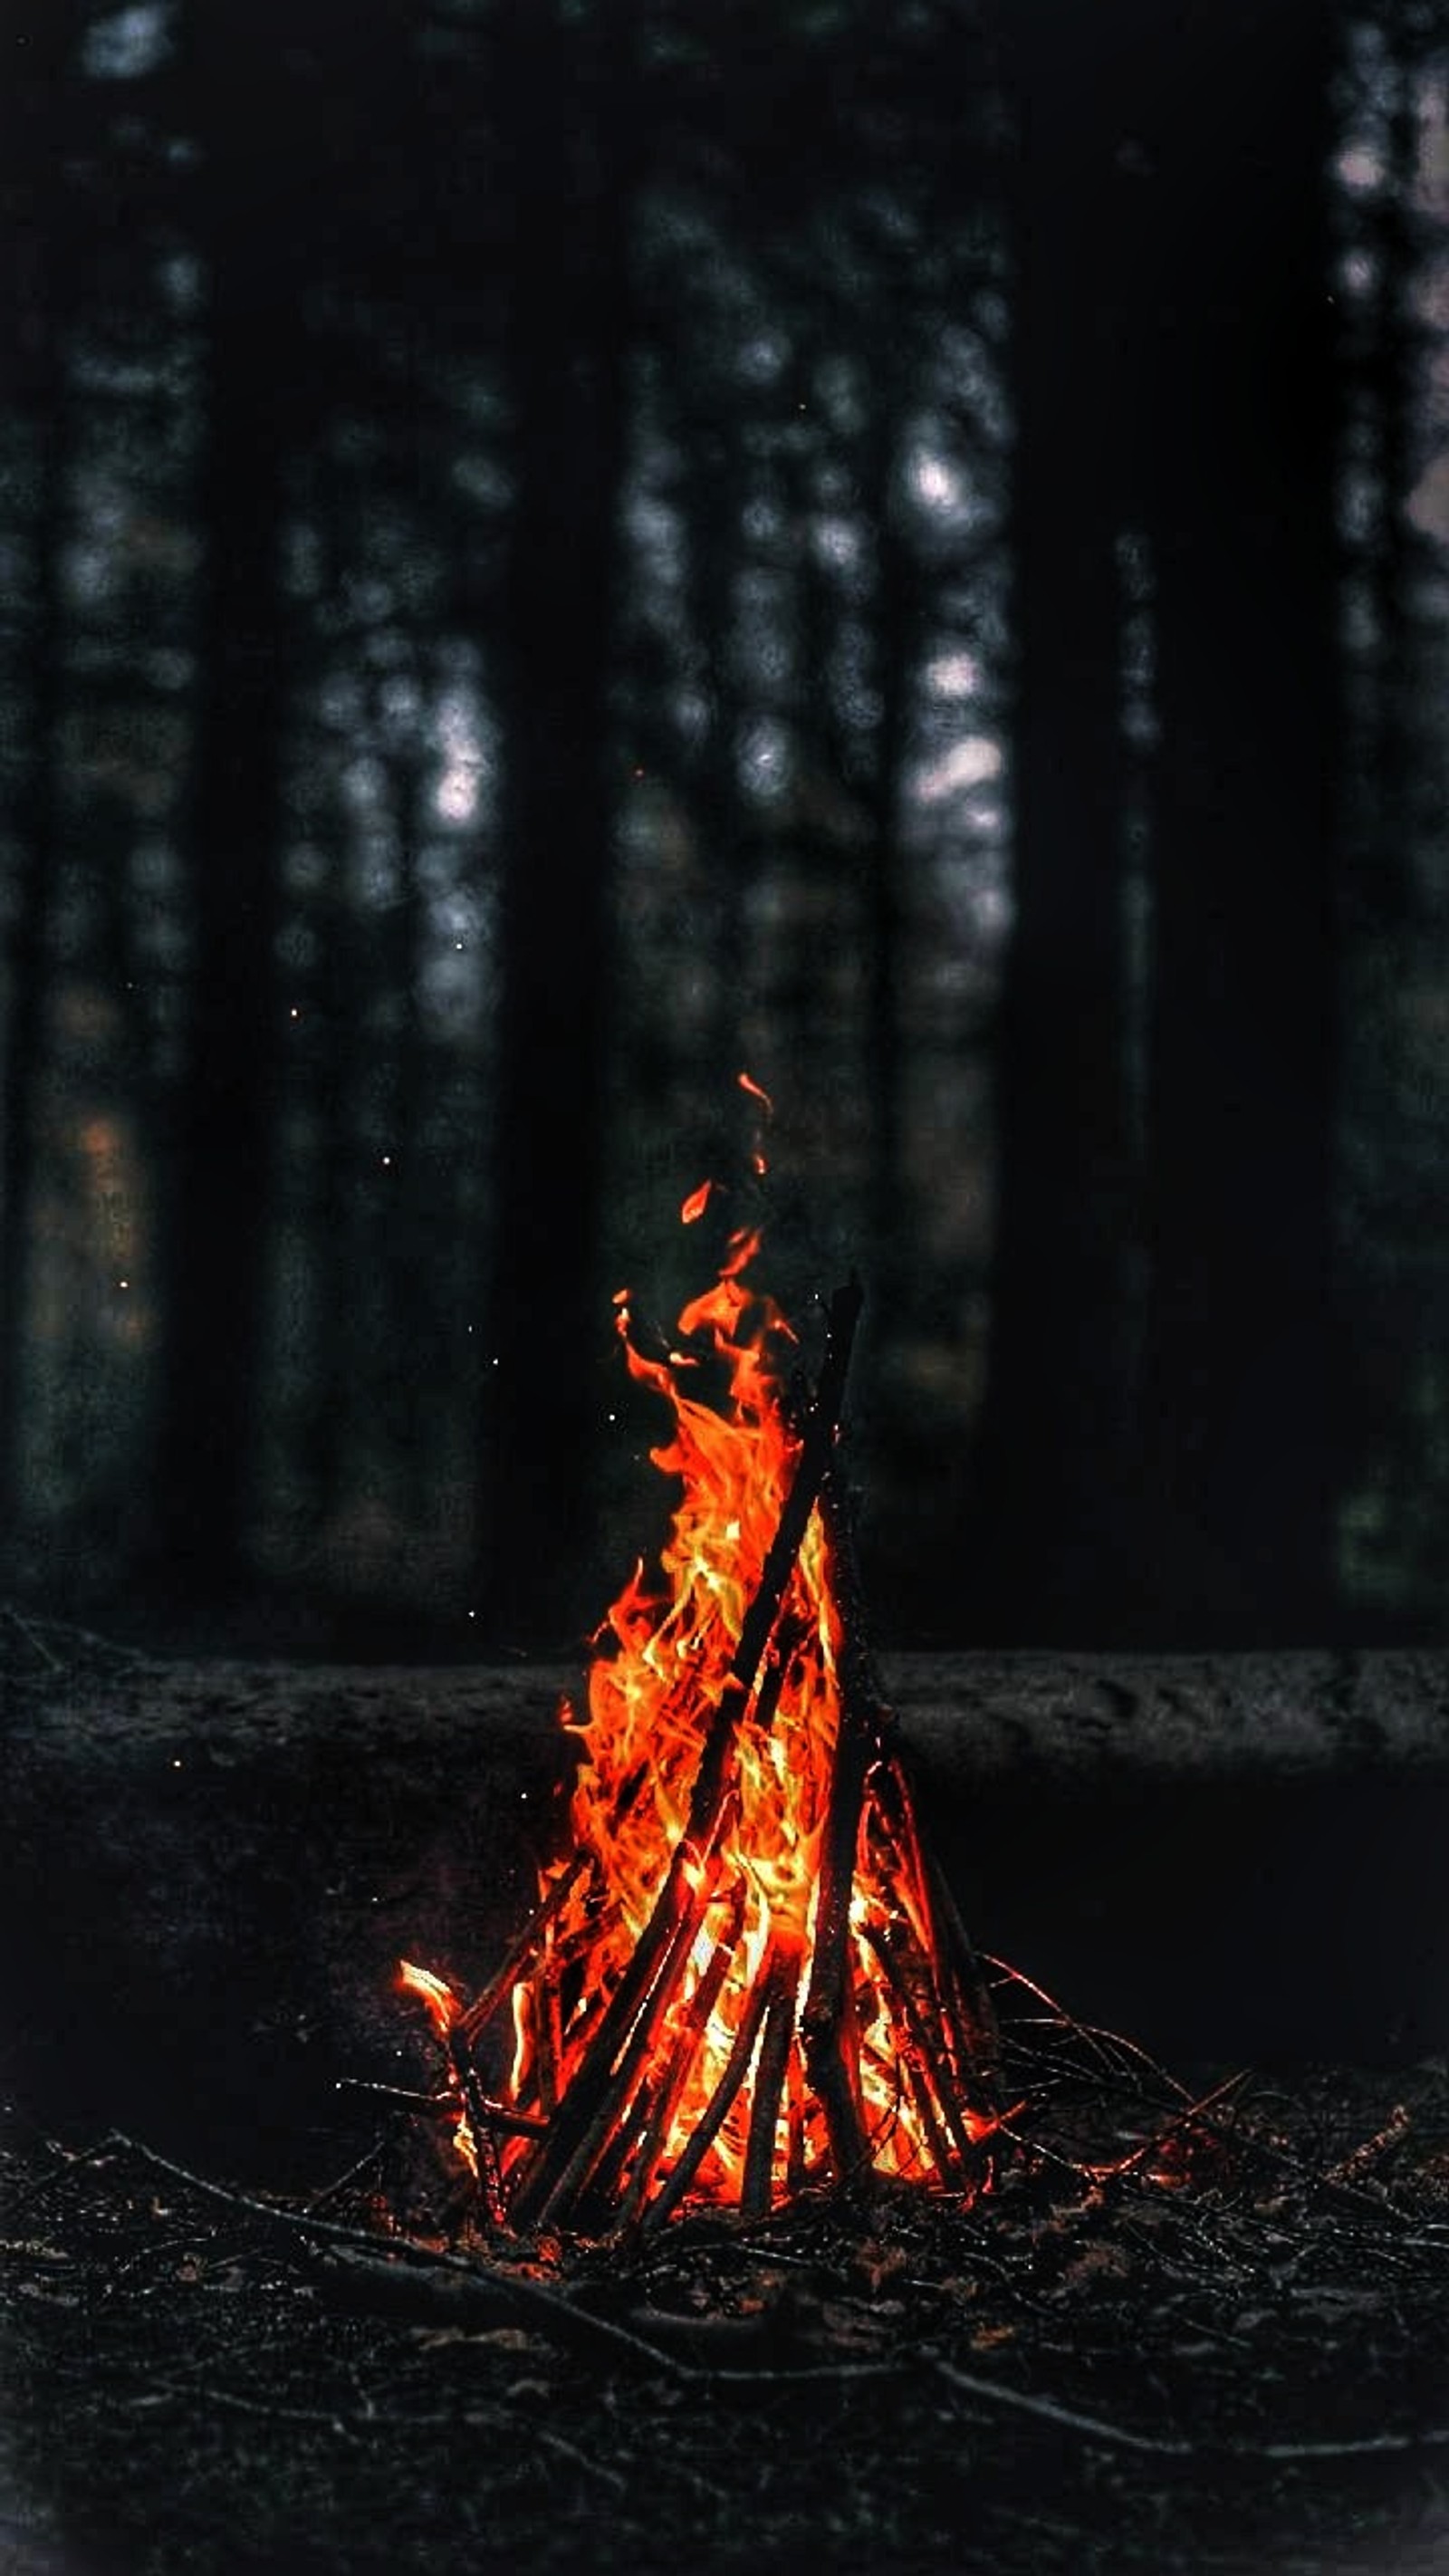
[752, 1891]
[444, 2009]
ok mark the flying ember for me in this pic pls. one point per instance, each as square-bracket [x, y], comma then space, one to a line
[744, 1976]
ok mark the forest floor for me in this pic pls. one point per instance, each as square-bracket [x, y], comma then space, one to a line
[1236, 2358]
[1200, 2322]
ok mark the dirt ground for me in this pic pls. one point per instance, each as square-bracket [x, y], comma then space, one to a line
[1235, 2357]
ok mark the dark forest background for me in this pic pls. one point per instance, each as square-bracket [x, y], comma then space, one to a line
[555, 549]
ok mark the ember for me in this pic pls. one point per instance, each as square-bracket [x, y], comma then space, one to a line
[744, 1975]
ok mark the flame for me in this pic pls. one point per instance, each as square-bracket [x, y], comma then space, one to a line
[746, 1890]
[444, 2009]
[665, 1656]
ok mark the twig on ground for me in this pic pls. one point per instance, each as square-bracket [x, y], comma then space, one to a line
[1096, 2428]
[399, 2275]
[1100, 2040]
[377, 2262]
[68, 1636]
[25, 1628]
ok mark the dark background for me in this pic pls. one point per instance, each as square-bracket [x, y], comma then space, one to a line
[555, 549]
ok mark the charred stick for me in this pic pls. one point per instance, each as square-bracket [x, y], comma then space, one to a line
[480, 2129]
[498, 2117]
[646, 2029]
[592, 2087]
[971, 2053]
[502, 2116]
[898, 1812]
[610, 2082]
[939, 2071]
[790, 1634]
[590, 2083]
[865, 1702]
[817, 1443]
[921, 1972]
[543, 2029]
[592, 2079]
[970, 1991]
[770, 2074]
[702, 2003]
[403, 2263]
[605, 2143]
[795, 2165]
[957, 1980]
[904, 2070]
[548, 2061]
[736, 2067]
[500, 1986]
[620, 2135]
[965, 2012]
[942, 2155]
[882, 1942]
[405, 2094]
[827, 2027]
[829, 2036]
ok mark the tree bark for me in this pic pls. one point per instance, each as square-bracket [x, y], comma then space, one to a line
[41, 230]
[221, 1197]
[1054, 1423]
[1240, 1382]
[569, 118]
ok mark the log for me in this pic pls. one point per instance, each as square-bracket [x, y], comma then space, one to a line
[212, 1867]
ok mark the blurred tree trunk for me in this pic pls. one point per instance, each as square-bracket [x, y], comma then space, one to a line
[1394, 365]
[1240, 1381]
[336, 1372]
[221, 1209]
[715, 486]
[895, 641]
[1394, 808]
[1055, 1418]
[567, 115]
[412, 1361]
[39, 217]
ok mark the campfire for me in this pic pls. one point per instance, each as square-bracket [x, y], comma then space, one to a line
[744, 1977]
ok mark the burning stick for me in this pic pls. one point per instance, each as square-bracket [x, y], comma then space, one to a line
[564, 2165]
[716, 2111]
[742, 1982]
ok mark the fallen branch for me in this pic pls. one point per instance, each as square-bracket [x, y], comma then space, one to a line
[373, 2420]
[1097, 2428]
[473, 2287]
[422, 2285]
